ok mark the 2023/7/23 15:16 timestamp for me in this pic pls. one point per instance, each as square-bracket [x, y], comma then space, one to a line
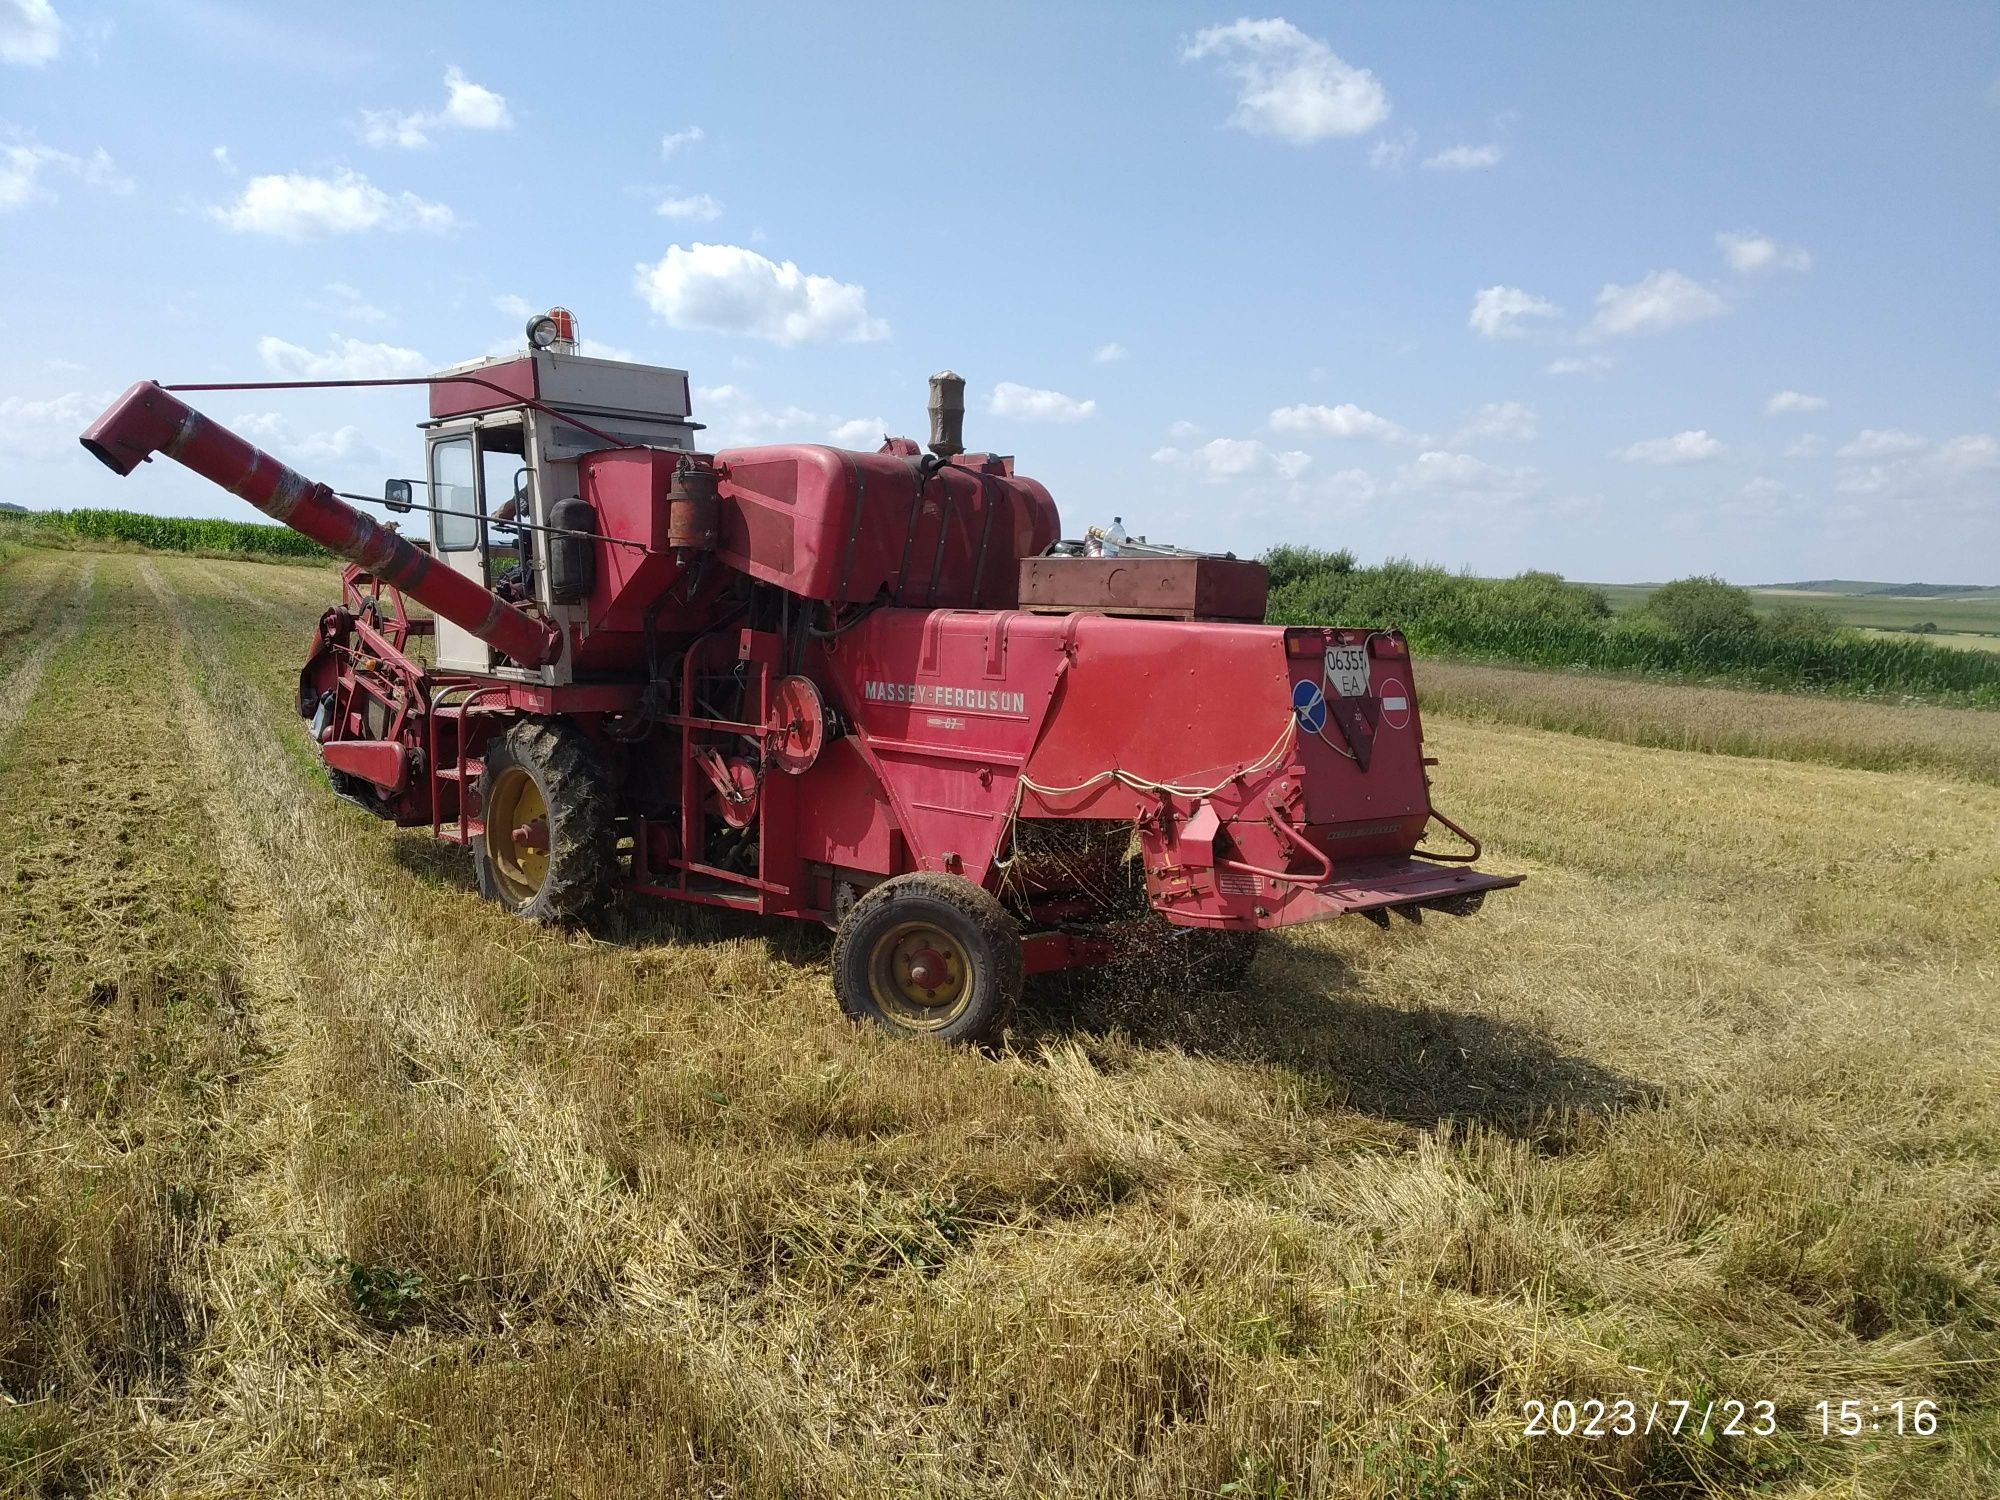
[1626, 1417]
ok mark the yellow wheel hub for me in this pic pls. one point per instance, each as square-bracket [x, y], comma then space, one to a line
[517, 834]
[920, 974]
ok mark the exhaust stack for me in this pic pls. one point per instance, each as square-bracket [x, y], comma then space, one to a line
[149, 419]
[947, 410]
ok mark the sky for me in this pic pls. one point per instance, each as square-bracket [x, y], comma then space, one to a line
[1626, 292]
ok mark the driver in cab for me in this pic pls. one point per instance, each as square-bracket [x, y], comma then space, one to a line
[517, 581]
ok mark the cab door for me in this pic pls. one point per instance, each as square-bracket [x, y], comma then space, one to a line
[458, 534]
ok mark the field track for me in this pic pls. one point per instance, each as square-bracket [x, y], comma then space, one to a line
[319, 1175]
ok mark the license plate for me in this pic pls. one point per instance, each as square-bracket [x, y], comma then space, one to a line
[1347, 670]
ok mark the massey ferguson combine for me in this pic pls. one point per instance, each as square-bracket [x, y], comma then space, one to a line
[875, 690]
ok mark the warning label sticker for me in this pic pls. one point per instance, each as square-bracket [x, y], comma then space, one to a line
[1395, 703]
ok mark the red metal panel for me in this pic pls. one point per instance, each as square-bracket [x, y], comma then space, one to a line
[846, 527]
[516, 377]
[947, 704]
[386, 763]
[843, 815]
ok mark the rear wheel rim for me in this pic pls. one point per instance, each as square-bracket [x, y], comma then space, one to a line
[920, 976]
[517, 834]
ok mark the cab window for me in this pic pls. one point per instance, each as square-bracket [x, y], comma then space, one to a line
[454, 494]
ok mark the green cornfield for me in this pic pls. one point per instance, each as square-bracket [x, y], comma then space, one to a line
[1538, 619]
[173, 533]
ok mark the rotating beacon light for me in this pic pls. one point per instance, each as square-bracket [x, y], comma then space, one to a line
[554, 329]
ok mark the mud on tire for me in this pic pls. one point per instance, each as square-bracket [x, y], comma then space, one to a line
[572, 877]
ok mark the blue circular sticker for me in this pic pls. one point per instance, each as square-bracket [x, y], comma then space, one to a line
[1309, 703]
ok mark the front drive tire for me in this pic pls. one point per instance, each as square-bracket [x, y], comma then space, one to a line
[549, 848]
[930, 955]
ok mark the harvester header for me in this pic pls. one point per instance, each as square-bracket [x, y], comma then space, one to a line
[877, 690]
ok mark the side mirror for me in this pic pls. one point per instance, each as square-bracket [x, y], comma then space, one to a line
[397, 495]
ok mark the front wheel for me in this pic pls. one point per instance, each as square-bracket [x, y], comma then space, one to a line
[548, 848]
[930, 955]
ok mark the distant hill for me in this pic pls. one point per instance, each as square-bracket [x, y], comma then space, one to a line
[1893, 590]
[9, 505]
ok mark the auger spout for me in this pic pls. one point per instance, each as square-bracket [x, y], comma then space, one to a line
[149, 419]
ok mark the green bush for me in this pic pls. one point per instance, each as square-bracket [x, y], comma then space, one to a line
[1802, 622]
[1702, 606]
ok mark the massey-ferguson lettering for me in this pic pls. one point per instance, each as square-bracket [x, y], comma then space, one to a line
[876, 690]
[936, 695]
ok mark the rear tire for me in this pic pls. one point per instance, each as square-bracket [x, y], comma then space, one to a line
[930, 955]
[544, 785]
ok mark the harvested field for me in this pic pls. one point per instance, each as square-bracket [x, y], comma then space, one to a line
[1721, 720]
[319, 1175]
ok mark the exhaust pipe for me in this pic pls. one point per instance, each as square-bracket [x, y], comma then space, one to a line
[148, 419]
[947, 409]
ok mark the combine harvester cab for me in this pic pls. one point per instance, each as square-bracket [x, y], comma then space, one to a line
[875, 690]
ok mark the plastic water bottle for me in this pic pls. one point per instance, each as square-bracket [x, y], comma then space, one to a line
[1114, 539]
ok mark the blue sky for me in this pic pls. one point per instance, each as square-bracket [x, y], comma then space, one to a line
[1623, 292]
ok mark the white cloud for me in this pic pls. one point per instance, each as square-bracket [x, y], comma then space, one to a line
[1809, 446]
[341, 447]
[348, 359]
[1749, 252]
[1665, 299]
[46, 428]
[1690, 447]
[736, 419]
[1343, 421]
[1110, 353]
[1972, 453]
[729, 289]
[1508, 420]
[223, 159]
[1447, 473]
[1182, 432]
[294, 206]
[389, 127]
[516, 307]
[699, 208]
[679, 140]
[1289, 84]
[473, 106]
[1794, 401]
[1467, 158]
[1959, 473]
[1580, 364]
[1392, 153]
[1872, 442]
[1026, 404]
[468, 106]
[348, 303]
[1497, 311]
[1235, 458]
[30, 32]
[863, 433]
[25, 168]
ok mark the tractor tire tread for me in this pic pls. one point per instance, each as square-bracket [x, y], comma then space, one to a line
[993, 927]
[583, 838]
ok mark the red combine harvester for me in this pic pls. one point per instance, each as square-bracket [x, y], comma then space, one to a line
[875, 690]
